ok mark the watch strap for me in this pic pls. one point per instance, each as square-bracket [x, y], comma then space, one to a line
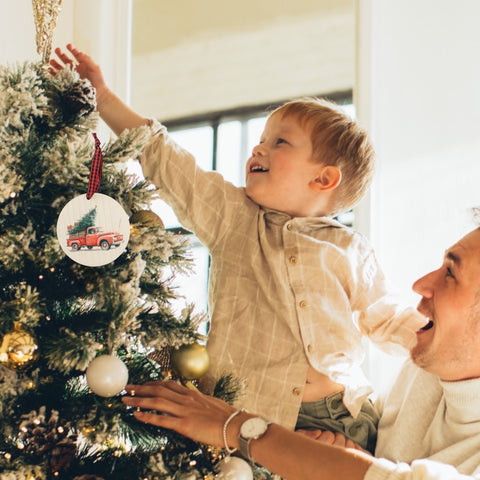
[244, 447]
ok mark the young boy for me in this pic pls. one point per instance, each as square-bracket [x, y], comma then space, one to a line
[291, 291]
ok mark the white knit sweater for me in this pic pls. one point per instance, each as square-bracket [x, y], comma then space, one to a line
[429, 429]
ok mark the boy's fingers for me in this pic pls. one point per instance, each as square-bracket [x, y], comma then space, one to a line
[74, 51]
[55, 65]
[63, 57]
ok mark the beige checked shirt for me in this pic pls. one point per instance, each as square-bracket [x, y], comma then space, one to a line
[284, 292]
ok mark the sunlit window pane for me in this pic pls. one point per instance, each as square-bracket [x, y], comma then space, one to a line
[254, 131]
[199, 142]
[192, 287]
[231, 157]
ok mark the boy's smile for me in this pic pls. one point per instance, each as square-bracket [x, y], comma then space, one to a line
[256, 167]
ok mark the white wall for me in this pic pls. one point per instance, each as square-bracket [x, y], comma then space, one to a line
[219, 57]
[17, 31]
[418, 93]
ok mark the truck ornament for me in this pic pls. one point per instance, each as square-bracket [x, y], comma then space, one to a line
[93, 232]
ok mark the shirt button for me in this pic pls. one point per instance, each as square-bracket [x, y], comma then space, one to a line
[293, 260]
[309, 349]
[303, 304]
[297, 391]
[289, 226]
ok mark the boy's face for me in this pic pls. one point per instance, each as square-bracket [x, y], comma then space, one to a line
[281, 167]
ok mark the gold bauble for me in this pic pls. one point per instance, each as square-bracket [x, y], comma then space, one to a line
[190, 362]
[19, 349]
[146, 218]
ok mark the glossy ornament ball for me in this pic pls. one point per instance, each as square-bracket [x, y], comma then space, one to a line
[19, 349]
[107, 375]
[190, 362]
[235, 468]
[146, 218]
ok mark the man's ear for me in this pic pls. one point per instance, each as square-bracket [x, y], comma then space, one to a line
[328, 178]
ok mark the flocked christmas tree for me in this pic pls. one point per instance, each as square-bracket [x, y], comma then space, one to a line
[57, 316]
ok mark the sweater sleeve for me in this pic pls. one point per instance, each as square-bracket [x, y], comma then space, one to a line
[383, 469]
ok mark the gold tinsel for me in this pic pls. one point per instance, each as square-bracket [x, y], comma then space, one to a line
[45, 13]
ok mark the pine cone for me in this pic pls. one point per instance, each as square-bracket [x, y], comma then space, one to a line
[48, 438]
[62, 455]
[78, 100]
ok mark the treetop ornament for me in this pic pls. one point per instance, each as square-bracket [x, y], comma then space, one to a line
[45, 13]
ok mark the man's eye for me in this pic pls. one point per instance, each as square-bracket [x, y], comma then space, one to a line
[281, 140]
[449, 273]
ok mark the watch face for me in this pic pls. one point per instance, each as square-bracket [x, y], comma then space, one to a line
[253, 427]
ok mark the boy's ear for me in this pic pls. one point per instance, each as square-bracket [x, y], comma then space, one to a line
[328, 178]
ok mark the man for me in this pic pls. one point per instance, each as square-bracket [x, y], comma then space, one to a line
[430, 421]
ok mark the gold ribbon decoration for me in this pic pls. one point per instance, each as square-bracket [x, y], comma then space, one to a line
[45, 13]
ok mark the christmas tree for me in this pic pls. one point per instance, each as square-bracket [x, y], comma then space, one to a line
[59, 317]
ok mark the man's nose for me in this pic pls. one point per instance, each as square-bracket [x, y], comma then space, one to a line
[424, 285]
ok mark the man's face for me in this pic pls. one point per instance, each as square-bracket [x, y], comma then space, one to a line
[449, 346]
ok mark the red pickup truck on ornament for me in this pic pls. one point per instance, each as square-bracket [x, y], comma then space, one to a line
[93, 237]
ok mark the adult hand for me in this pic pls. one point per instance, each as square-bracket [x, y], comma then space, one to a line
[186, 411]
[330, 438]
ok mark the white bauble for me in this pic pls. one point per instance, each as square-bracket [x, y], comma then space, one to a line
[107, 375]
[235, 468]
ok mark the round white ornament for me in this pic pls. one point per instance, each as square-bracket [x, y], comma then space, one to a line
[93, 232]
[235, 468]
[107, 375]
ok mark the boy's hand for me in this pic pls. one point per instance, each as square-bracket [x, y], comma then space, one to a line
[83, 64]
[116, 114]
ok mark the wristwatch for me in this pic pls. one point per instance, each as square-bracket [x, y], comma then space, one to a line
[251, 429]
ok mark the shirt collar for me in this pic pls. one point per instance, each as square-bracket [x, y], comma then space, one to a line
[303, 223]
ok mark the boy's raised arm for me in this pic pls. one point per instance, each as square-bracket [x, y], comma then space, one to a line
[116, 114]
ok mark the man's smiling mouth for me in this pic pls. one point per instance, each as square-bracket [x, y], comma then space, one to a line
[428, 326]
